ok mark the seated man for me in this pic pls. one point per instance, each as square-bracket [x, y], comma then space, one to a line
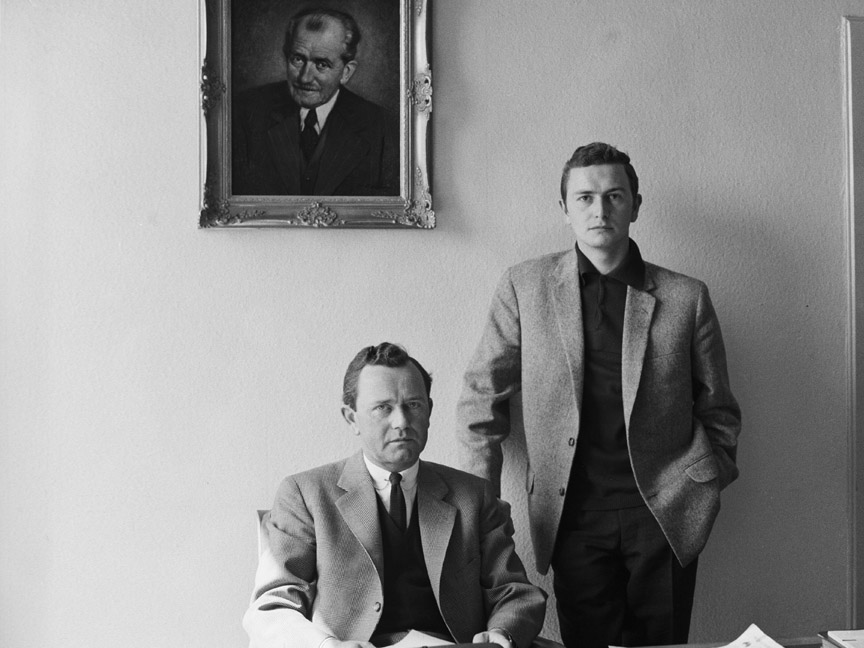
[362, 550]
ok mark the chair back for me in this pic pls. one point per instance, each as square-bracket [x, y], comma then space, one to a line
[263, 537]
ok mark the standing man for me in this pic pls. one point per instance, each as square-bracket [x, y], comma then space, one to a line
[311, 135]
[362, 550]
[630, 425]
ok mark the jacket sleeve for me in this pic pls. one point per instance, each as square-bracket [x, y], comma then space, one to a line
[492, 377]
[513, 603]
[715, 409]
[279, 613]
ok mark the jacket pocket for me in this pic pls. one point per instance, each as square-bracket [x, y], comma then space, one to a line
[704, 469]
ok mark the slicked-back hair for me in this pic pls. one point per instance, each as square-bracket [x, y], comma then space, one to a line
[385, 354]
[599, 153]
[315, 20]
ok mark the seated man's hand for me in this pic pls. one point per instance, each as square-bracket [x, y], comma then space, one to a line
[493, 636]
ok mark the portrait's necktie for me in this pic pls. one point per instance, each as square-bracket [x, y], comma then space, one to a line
[309, 136]
[397, 501]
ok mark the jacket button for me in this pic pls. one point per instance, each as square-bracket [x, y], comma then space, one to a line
[561, 492]
[571, 442]
[377, 607]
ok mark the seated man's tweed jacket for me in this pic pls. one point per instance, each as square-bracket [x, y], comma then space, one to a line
[320, 573]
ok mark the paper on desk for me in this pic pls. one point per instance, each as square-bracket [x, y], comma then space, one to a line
[416, 639]
[753, 636]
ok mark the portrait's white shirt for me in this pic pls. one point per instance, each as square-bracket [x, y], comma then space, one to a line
[322, 112]
[381, 479]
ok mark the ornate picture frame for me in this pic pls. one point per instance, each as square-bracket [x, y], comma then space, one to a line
[244, 50]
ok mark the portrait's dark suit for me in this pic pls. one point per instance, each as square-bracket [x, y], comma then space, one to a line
[681, 419]
[322, 571]
[357, 155]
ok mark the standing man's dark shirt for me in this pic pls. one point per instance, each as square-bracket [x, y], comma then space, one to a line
[601, 477]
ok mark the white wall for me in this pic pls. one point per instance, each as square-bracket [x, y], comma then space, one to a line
[157, 381]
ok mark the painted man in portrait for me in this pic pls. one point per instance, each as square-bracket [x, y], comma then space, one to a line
[310, 135]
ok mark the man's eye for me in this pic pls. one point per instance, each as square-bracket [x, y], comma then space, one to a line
[296, 61]
[382, 408]
[415, 405]
[583, 198]
[321, 66]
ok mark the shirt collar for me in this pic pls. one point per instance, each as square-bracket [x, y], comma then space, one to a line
[381, 476]
[321, 112]
[630, 273]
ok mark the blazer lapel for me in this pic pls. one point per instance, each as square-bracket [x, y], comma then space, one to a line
[359, 508]
[437, 518]
[343, 149]
[567, 303]
[638, 311]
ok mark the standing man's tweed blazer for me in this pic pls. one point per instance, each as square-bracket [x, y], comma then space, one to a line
[321, 573]
[681, 418]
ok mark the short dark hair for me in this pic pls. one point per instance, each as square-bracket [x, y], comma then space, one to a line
[599, 153]
[313, 19]
[385, 354]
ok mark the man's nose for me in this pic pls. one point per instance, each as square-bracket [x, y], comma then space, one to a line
[306, 74]
[602, 208]
[398, 418]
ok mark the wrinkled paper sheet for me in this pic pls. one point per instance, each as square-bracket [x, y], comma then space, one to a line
[752, 637]
[415, 639]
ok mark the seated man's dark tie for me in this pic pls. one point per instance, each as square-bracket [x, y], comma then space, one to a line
[397, 502]
[309, 136]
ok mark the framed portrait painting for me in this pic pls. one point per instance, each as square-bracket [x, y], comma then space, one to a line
[315, 114]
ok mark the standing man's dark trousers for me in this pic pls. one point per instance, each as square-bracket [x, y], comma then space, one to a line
[618, 582]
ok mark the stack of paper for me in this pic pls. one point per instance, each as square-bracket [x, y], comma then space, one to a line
[842, 638]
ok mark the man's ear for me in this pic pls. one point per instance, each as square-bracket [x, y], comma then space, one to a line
[637, 203]
[351, 417]
[348, 71]
[564, 211]
[430, 404]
